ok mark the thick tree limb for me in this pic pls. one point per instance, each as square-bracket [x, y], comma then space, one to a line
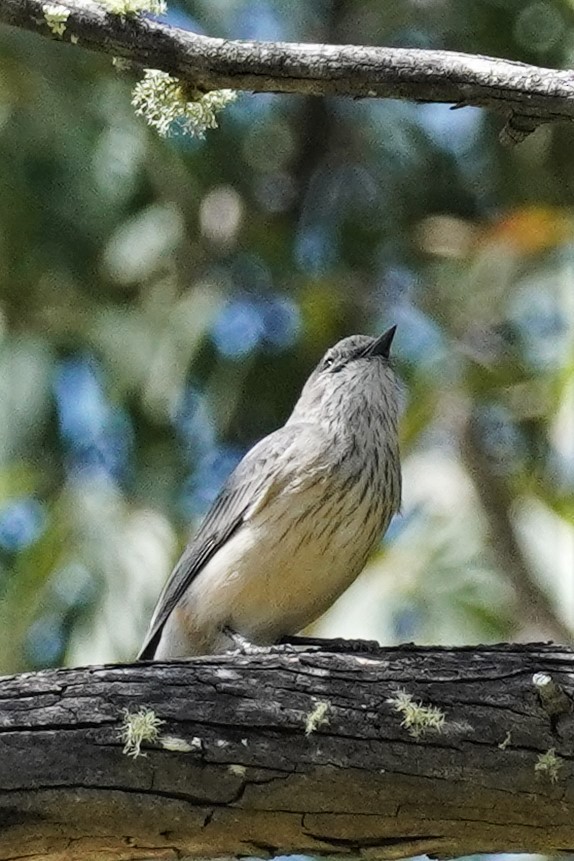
[295, 752]
[528, 95]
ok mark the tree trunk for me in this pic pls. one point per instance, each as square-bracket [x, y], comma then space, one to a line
[386, 754]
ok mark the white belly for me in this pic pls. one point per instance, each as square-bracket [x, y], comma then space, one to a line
[279, 571]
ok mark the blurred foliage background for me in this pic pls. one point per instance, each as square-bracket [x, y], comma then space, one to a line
[162, 302]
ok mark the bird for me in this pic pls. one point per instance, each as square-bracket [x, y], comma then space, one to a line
[295, 522]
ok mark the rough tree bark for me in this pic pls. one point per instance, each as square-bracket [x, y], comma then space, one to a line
[527, 95]
[305, 751]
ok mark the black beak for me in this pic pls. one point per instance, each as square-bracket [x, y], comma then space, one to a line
[382, 345]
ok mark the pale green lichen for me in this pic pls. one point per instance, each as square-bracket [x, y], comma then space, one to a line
[135, 7]
[549, 765]
[236, 770]
[164, 101]
[138, 727]
[56, 16]
[418, 719]
[121, 64]
[317, 717]
[507, 740]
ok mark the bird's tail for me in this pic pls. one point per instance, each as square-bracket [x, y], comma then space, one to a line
[147, 651]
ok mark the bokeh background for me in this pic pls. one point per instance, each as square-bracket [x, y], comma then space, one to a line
[162, 302]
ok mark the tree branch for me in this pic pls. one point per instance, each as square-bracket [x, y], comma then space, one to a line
[307, 752]
[527, 95]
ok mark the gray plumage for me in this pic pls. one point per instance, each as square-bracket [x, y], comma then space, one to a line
[295, 522]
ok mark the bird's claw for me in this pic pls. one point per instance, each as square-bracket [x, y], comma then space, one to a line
[243, 646]
[293, 645]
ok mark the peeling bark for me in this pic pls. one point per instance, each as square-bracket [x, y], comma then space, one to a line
[294, 752]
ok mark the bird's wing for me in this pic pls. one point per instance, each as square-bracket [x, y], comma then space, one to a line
[257, 478]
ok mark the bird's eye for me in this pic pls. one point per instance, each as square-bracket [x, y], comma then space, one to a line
[331, 363]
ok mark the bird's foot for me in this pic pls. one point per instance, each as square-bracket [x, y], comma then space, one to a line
[243, 646]
[338, 644]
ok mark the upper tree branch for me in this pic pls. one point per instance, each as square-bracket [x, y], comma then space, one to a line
[304, 752]
[528, 95]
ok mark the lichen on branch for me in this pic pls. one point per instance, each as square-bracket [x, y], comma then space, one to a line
[166, 103]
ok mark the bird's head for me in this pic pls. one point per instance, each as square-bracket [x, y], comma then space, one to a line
[354, 375]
